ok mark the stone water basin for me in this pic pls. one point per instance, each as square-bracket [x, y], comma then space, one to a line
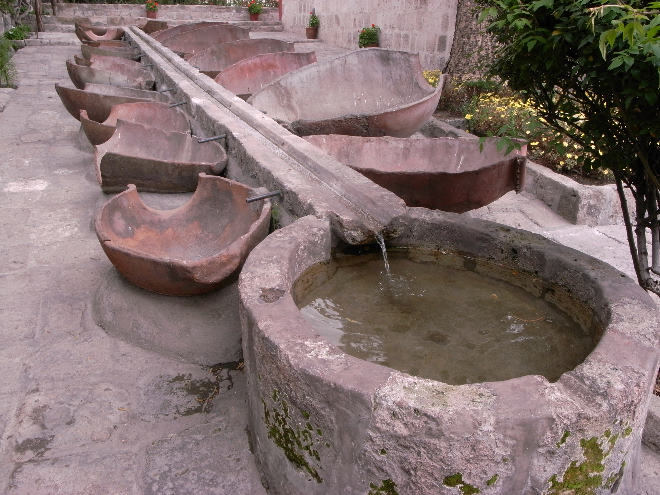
[368, 92]
[115, 74]
[110, 51]
[152, 26]
[189, 250]
[193, 41]
[98, 99]
[107, 43]
[324, 421]
[151, 113]
[97, 33]
[218, 57]
[170, 32]
[450, 174]
[155, 160]
[248, 76]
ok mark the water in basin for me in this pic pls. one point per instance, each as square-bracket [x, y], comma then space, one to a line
[442, 320]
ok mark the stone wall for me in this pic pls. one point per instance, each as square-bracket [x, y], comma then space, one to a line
[165, 12]
[5, 23]
[423, 26]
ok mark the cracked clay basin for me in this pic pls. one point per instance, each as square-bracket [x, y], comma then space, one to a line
[98, 33]
[98, 99]
[449, 174]
[115, 74]
[218, 57]
[88, 50]
[248, 76]
[324, 421]
[195, 40]
[368, 92]
[186, 251]
[155, 160]
[147, 113]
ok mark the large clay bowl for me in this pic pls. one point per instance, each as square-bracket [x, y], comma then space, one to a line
[110, 51]
[449, 174]
[252, 74]
[89, 33]
[368, 92]
[155, 160]
[180, 29]
[108, 44]
[186, 251]
[197, 40]
[217, 57]
[154, 114]
[152, 26]
[113, 73]
[98, 99]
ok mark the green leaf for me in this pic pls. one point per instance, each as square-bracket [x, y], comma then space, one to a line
[616, 62]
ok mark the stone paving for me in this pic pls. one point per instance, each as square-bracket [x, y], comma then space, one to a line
[83, 412]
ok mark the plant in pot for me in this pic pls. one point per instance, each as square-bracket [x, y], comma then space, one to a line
[152, 8]
[254, 8]
[312, 29]
[369, 36]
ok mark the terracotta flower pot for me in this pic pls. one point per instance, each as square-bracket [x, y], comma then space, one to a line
[254, 17]
[152, 14]
[311, 32]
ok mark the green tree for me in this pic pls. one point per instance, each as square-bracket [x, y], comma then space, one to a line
[591, 68]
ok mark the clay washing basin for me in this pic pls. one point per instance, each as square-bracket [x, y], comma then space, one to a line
[153, 114]
[250, 75]
[155, 160]
[110, 51]
[218, 57]
[449, 174]
[152, 26]
[196, 40]
[103, 62]
[108, 44]
[180, 29]
[98, 99]
[368, 92]
[115, 74]
[98, 33]
[186, 251]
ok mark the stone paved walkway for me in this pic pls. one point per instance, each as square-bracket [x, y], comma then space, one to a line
[82, 412]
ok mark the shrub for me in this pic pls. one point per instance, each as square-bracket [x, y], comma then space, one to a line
[7, 69]
[369, 36]
[19, 32]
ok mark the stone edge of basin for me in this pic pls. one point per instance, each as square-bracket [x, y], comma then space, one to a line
[370, 424]
[319, 185]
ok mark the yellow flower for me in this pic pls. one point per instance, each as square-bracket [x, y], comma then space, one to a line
[468, 116]
[534, 143]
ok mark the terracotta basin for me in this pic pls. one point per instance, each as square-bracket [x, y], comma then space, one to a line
[106, 44]
[103, 62]
[449, 174]
[250, 75]
[155, 160]
[152, 26]
[180, 29]
[153, 114]
[186, 251]
[368, 92]
[218, 57]
[97, 33]
[197, 40]
[98, 99]
[110, 51]
[113, 73]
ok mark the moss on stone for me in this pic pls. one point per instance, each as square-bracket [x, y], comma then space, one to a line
[493, 480]
[298, 444]
[563, 438]
[456, 480]
[583, 478]
[627, 431]
[387, 487]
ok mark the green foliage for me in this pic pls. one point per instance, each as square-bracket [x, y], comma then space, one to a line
[151, 5]
[19, 32]
[387, 487]
[255, 7]
[314, 21]
[7, 68]
[369, 36]
[591, 70]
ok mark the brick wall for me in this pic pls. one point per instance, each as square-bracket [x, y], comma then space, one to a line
[165, 12]
[422, 26]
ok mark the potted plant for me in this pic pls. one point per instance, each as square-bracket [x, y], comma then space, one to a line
[312, 29]
[254, 8]
[152, 8]
[369, 36]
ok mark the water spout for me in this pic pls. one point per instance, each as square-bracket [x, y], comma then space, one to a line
[381, 242]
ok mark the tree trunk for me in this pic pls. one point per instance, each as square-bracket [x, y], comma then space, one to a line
[37, 15]
[53, 4]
